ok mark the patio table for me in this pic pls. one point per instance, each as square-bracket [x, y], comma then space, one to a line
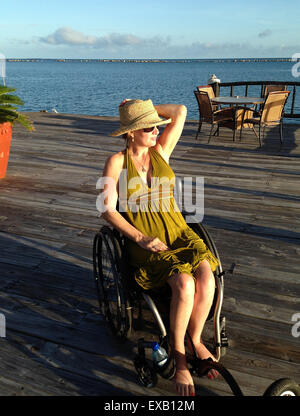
[239, 113]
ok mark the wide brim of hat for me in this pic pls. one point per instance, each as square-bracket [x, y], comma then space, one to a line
[139, 125]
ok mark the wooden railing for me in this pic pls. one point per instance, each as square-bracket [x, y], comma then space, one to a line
[290, 85]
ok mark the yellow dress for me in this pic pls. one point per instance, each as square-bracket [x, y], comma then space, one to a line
[154, 212]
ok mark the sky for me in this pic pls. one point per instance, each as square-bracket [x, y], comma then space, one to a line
[149, 29]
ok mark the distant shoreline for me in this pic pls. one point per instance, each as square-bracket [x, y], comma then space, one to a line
[153, 60]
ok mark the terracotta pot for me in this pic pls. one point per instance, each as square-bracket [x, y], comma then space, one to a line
[5, 139]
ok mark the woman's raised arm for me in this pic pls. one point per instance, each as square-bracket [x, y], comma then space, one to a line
[172, 132]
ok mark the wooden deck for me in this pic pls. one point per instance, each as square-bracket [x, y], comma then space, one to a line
[56, 341]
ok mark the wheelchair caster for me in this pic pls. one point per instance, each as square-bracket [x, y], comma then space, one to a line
[146, 375]
[283, 387]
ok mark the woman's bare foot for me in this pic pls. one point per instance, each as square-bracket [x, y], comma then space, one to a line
[183, 380]
[203, 354]
[184, 384]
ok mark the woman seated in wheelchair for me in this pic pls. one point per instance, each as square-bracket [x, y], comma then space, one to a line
[162, 248]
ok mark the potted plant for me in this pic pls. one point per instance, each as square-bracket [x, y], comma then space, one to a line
[8, 116]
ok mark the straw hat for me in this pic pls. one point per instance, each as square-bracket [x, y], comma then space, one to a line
[136, 115]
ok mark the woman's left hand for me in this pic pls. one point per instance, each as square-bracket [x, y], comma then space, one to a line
[152, 244]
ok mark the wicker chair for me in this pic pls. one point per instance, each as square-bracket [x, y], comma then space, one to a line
[209, 89]
[272, 88]
[270, 115]
[208, 115]
[266, 89]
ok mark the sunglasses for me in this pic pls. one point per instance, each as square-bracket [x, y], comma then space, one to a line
[149, 129]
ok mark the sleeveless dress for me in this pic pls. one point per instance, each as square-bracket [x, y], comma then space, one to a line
[154, 211]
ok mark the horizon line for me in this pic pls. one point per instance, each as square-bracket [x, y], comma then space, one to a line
[154, 59]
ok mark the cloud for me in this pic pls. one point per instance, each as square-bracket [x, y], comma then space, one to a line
[70, 37]
[73, 43]
[128, 44]
[265, 33]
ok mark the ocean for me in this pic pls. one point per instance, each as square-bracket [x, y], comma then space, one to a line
[97, 88]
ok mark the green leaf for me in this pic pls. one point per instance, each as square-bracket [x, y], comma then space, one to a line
[7, 106]
[8, 112]
[7, 118]
[5, 90]
[24, 120]
[7, 98]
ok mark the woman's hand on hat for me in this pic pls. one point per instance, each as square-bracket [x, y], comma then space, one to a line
[152, 244]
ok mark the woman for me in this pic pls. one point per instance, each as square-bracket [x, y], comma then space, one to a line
[162, 248]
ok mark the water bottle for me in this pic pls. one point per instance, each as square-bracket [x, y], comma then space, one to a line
[159, 355]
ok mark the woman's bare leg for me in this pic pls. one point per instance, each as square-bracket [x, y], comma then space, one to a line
[183, 291]
[205, 289]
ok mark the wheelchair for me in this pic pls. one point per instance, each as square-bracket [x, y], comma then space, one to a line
[120, 300]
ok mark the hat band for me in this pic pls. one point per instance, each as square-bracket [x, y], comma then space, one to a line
[140, 118]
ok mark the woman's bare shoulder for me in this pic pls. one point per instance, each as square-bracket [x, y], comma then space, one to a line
[115, 162]
[117, 158]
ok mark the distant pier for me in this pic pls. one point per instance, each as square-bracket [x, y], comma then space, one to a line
[217, 60]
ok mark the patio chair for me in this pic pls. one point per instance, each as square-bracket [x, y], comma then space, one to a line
[209, 89]
[270, 115]
[208, 115]
[266, 90]
[273, 87]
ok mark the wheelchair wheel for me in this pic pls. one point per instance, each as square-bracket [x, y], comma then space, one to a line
[112, 296]
[168, 370]
[283, 387]
[146, 375]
